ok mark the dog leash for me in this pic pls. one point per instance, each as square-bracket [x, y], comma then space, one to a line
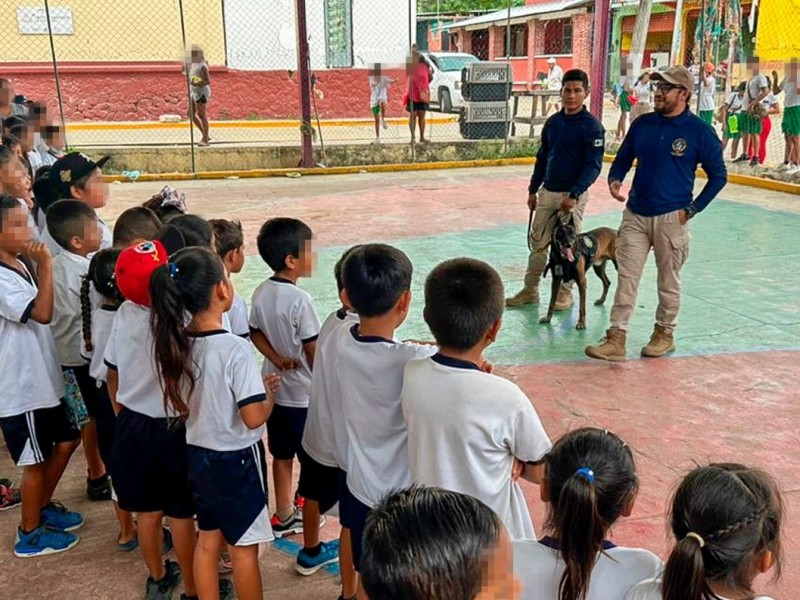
[530, 225]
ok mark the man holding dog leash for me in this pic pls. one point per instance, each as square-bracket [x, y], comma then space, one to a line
[668, 144]
[569, 160]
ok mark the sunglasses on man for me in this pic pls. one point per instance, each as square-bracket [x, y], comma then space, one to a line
[666, 88]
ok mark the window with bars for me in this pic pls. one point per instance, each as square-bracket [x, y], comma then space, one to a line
[558, 37]
[519, 40]
[339, 33]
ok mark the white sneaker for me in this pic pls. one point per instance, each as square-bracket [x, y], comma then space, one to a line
[376, 141]
[783, 167]
[793, 170]
[384, 124]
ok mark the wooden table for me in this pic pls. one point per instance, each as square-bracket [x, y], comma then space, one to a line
[534, 119]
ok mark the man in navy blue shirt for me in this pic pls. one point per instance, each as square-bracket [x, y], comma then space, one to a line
[569, 160]
[668, 144]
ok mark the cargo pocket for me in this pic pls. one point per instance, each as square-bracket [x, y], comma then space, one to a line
[679, 237]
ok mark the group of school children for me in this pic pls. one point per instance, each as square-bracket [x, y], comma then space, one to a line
[137, 344]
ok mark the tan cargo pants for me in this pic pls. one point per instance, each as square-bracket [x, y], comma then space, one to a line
[670, 243]
[548, 212]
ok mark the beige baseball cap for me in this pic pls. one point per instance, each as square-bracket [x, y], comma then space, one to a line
[676, 76]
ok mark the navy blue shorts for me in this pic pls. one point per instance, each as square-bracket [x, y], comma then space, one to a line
[31, 436]
[106, 423]
[318, 482]
[230, 491]
[149, 466]
[285, 431]
[352, 514]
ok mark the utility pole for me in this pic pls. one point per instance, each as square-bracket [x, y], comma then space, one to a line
[602, 19]
[303, 75]
[639, 41]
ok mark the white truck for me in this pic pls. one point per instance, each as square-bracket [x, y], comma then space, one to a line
[445, 70]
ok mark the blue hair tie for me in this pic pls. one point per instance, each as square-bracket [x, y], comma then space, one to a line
[586, 473]
[173, 270]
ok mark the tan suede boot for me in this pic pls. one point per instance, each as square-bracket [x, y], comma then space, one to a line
[564, 300]
[524, 296]
[661, 343]
[611, 347]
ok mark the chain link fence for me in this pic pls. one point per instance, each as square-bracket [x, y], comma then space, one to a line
[199, 85]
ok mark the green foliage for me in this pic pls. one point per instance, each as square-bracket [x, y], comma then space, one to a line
[463, 6]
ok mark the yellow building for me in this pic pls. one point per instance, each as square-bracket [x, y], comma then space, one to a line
[778, 33]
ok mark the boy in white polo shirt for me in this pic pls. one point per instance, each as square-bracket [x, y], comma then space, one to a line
[377, 282]
[469, 430]
[74, 227]
[286, 316]
[790, 125]
[33, 417]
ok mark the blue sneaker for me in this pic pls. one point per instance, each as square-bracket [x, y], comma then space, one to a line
[56, 516]
[43, 540]
[308, 565]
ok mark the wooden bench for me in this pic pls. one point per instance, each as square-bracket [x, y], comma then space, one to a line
[533, 119]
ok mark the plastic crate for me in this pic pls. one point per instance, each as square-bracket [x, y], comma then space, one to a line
[487, 72]
[485, 112]
[486, 92]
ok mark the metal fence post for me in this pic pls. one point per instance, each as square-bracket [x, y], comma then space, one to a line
[188, 87]
[602, 18]
[303, 59]
[55, 70]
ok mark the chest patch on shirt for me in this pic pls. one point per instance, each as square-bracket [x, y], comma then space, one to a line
[679, 147]
[598, 143]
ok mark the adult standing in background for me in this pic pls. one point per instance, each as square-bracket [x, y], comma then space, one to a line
[555, 76]
[418, 94]
[200, 80]
[668, 145]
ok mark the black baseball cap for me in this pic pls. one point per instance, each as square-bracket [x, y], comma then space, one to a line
[21, 99]
[70, 168]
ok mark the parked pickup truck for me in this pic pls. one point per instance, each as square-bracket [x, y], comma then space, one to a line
[445, 70]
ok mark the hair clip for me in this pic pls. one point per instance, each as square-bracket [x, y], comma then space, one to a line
[696, 536]
[170, 197]
[173, 270]
[586, 473]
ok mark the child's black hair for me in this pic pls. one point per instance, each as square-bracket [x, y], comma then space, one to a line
[282, 237]
[463, 299]
[164, 212]
[591, 478]
[10, 141]
[100, 275]
[183, 285]
[736, 511]
[7, 203]
[578, 75]
[67, 219]
[45, 192]
[375, 276]
[338, 267]
[742, 86]
[50, 131]
[427, 544]
[12, 122]
[186, 231]
[228, 236]
[135, 223]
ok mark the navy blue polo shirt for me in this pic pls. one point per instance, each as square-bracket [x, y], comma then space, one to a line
[668, 151]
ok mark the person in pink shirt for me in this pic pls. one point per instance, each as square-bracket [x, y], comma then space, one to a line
[417, 96]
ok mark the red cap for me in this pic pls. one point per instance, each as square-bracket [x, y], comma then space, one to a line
[134, 267]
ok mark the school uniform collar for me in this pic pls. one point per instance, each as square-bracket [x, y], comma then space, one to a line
[456, 363]
[202, 334]
[554, 544]
[367, 339]
[70, 255]
[679, 119]
[109, 307]
[22, 271]
[277, 279]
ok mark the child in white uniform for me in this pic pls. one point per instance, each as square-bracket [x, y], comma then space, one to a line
[378, 97]
[476, 425]
[212, 380]
[726, 519]
[377, 282]
[229, 244]
[590, 482]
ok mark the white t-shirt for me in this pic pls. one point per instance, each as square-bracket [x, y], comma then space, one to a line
[651, 590]
[106, 241]
[790, 95]
[734, 103]
[643, 91]
[370, 373]
[769, 100]
[35, 160]
[555, 78]
[102, 322]
[464, 429]
[67, 323]
[538, 566]
[753, 89]
[379, 89]
[130, 351]
[707, 88]
[228, 378]
[286, 315]
[325, 422]
[237, 317]
[30, 377]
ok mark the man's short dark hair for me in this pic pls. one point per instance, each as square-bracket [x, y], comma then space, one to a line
[135, 223]
[427, 544]
[576, 75]
[282, 237]
[375, 276]
[463, 298]
[67, 219]
[228, 235]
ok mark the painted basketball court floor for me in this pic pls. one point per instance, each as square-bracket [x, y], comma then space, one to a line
[729, 393]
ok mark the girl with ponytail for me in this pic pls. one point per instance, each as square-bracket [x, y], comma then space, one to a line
[590, 482]
[726, 519]
[212, 380]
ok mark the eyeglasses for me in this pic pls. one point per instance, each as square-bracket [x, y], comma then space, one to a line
[665, 87]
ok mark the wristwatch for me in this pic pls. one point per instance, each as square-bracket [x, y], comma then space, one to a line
[690, 211]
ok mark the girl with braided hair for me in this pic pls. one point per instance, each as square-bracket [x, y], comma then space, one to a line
[726, 519]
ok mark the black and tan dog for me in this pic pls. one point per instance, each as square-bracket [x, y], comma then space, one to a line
[570, 256]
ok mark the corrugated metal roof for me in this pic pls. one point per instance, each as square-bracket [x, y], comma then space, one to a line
[518, 12]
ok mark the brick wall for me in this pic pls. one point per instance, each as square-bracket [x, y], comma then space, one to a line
[582, 41]
[496, 42]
